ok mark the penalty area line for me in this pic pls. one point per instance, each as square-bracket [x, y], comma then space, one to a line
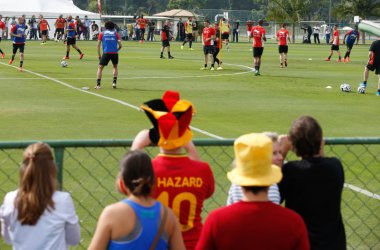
[102, 96]
[362, 191]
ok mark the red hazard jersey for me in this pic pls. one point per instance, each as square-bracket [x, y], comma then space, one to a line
[282, 36]
[257, 32]
[183, 185]
[336, 38]
[207, 34]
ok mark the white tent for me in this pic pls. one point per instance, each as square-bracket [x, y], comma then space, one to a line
[48, 8]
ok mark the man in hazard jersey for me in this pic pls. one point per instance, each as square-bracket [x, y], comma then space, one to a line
[182, 181]
[44, 28]
[59, 28]
[258, 34]
[283, 39]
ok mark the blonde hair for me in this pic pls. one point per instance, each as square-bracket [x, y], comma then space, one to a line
[37, 183]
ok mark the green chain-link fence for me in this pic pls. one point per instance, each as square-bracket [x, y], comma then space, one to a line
[88, 170]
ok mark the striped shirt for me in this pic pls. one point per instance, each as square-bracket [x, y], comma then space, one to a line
[235, 194]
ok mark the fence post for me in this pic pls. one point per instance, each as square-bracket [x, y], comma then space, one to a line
[58, 153]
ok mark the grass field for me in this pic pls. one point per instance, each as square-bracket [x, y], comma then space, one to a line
[47, 102]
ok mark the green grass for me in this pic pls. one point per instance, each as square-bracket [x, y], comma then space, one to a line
[229, 103]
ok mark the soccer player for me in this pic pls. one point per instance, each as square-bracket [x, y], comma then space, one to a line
[258, 34]
[188, 33]
[218, 46]
[225, 29]
[2, 29]
[208, 36]
[249, 25]
[335, 44]
[349, 39]
[142, 23]
[373, 64]
[44, 28]
[71, 33]
[283, 38]
[59, 28]
[165, 37]
[111, 45]
[181, 183]
[18, 36]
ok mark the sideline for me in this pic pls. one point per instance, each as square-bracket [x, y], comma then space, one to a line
[346, 185]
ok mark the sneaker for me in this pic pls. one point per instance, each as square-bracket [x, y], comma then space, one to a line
[281, 66]
[10, 61]
[66, 58]
[97, 87]
[327, 59]
[339, 60]
[363, 85]
[20, 69]
[42, 43]
[162, 57]
[113, 85]
[378, 93]
[2, 56]
[212, 68]
[181, 46]
[171, 57]
[219, 68]
[191, 49]
[81, 56]
[203, 68]
[257, 73]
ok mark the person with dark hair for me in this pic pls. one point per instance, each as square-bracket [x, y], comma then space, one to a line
[254, 222]
[208, 36]
[235, 31]
[44, 28]
[225, 32]
[142, 22]
[151, 28]
[373, 64]
[283, 39]
[36, 215]
[182, 183]
[334, 45]
[18, 34]
[188, 33]
[313, 186]
[349, 39]
[258, 34]
[218, 47]
[139, 221]
[111, 43]
[165, 38]
[59, 28]
[71, 34]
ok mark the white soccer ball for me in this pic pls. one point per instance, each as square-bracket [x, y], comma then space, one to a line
[361, 90]
[345, 87]
[64, 64]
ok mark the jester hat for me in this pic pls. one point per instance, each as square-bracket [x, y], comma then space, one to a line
[171, 118]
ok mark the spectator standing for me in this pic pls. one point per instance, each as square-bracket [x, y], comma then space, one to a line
[139, 221]
[181, 183]
[94, 30]
[151, 29]
[316, 31]
[33, 28]
[235, 31]
[313, 186]
[327, 34]
[180, 30]
[309, 33]
[249, 25]
[86, 27]
[36, 215]
[195, 31]
[6, 30]
[373, 64]
[255, 222]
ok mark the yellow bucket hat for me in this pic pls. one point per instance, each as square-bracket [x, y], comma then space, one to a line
[253, 160]
[171, 119]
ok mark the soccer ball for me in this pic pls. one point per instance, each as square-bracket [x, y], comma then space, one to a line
[345, 87]
[64, 64]
[361, 90]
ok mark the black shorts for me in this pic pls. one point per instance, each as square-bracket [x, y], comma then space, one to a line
[19, 47]
[0, 38]
[225, 36]
[165, 43]
[335, 47]
[208, 49]
[373, 67]
[349, 46]
[44, 32]
[71, 40]
[189, 37]
[258, 51]
[142, 30]
[283, 49]
[59, 30]
[107, 57]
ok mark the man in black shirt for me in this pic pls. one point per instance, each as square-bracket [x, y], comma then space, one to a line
[373, 64]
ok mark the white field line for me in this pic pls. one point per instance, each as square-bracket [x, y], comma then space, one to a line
[352, 187]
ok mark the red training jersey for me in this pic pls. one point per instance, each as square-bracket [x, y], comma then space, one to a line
[183, 185]
[207, 33]
[60, 23]
[2, 25]
[249, 26]
[282, 36]
[43, 25]
[336, 38]
[142, 22]
[257, 32]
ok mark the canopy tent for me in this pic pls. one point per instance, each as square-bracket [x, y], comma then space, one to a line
[176, 13]
[48, 8]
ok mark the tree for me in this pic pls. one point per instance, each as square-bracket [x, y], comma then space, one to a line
[186, 4]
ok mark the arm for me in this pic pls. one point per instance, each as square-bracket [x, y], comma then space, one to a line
[344, 39]
[120, 45]
[99, 43]
[102, 233]
[192, 151]
[141, 140]
[72, 228]
[264, 38]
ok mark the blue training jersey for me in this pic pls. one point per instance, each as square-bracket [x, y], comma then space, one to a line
[352, 36]
[148, 221]
[71, 29]
[19, 29]
[109, 40]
